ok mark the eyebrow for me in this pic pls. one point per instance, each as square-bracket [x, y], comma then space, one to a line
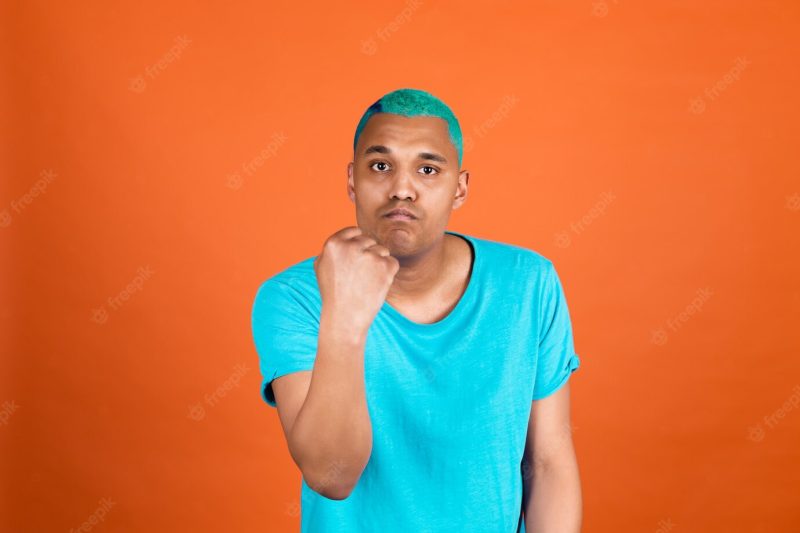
[380, 149]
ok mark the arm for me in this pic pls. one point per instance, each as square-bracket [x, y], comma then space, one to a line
[551, 483]
[324, 412]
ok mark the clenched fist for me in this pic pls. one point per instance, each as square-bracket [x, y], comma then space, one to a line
[354, 274]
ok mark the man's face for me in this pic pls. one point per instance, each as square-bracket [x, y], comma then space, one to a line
[409, 163]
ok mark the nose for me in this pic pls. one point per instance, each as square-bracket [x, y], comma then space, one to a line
[403, 186]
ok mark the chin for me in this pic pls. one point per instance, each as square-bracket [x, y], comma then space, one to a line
[398, 239]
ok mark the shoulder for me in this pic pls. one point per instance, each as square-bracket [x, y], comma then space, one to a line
[516, 259]
[295, 284]
[299, 274]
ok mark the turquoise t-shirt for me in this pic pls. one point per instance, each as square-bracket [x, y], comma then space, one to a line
[449, 402]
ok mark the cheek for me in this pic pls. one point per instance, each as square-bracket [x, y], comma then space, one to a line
[368, 199]
[442, 200]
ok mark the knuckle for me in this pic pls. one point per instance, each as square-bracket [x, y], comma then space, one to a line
[364, 241]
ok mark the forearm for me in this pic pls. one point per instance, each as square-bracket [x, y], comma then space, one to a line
[331, 439]
[553, 501]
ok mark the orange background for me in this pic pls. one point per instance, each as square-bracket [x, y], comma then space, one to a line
[631, 133]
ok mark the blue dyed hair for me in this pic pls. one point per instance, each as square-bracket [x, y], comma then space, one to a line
[414, 103]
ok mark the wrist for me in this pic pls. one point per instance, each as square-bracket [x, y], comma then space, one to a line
[343, 327]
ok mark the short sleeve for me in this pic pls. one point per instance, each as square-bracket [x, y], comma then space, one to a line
[285, 334]
[556, 355]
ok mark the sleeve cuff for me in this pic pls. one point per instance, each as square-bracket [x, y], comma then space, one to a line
[572, 364]
[267, 394]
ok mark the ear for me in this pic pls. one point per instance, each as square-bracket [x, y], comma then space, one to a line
[351, 187]
[461, 189]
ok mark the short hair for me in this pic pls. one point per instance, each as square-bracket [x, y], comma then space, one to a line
[414, 103]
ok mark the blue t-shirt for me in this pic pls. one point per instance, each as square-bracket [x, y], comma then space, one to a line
[449, 402]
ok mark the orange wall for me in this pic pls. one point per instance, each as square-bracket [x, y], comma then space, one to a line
[649, 150]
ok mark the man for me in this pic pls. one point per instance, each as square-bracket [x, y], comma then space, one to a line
[421, 375]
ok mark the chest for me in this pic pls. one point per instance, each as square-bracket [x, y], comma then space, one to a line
[426, 312]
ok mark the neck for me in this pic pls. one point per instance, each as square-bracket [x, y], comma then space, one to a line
[421, 273]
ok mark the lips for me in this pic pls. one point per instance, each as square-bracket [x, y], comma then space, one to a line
[400, 214]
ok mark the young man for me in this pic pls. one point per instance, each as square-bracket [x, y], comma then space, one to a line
[421, 375]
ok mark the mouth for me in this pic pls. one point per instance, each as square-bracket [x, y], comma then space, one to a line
[399, 216]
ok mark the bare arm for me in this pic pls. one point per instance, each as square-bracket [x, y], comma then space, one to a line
[552, 499]
[324, 412]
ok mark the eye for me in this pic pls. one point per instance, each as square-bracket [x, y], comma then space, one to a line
[429, 171]
[382, 166]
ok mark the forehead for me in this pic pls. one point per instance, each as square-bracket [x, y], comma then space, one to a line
[397, 131]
